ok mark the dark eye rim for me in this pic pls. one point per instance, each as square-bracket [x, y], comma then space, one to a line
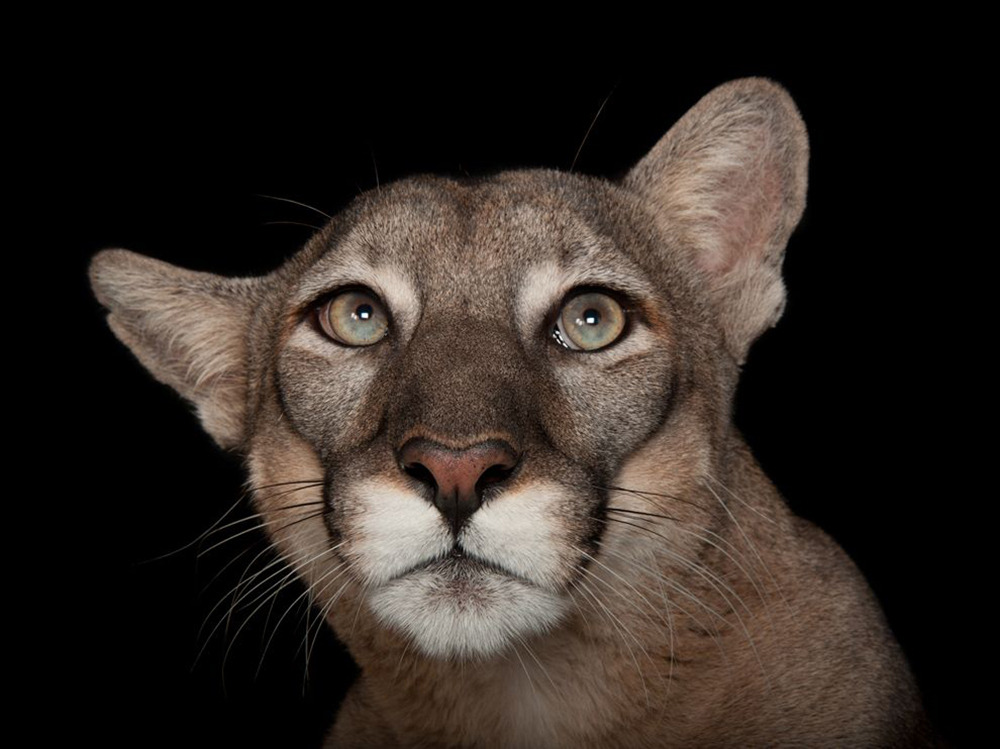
[316, 308]
[626, 302]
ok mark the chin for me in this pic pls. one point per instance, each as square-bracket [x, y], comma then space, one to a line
[462, 609]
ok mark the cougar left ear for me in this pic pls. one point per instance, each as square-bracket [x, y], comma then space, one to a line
[187, 328]
[728, 183]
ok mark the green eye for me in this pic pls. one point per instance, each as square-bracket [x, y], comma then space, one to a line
[354, 318]
[589, 321]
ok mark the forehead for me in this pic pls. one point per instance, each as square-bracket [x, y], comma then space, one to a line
[477, 242]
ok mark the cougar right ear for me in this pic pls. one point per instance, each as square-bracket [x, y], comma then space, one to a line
[187, 328]
[728, 184]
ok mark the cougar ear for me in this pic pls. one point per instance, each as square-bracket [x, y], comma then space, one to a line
[187, 328]
[728, 183]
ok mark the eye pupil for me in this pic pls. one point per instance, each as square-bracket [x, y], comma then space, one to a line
[363, 312]
[591, 317]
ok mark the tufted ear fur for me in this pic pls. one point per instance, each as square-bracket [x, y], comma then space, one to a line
[187, 328]
[728, 183]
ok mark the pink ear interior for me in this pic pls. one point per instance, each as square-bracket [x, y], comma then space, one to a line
[750, 203]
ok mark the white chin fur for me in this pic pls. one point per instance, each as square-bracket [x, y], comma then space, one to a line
[477, 615]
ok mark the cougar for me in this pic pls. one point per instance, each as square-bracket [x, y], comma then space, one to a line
[488, 423]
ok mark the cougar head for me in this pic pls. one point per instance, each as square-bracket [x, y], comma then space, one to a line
[444, 397]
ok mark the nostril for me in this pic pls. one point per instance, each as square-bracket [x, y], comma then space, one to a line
[494, 475]
[421, 473]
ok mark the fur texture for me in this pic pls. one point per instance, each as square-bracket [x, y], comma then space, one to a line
[635, 580]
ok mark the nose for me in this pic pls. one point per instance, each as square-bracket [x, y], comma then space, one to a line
[458, 476]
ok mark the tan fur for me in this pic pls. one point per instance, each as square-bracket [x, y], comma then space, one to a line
[636, 581]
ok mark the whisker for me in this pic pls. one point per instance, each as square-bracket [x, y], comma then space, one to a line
[308, 596]
[323, 613]
[253, 517]
[298, 203]
[705, 539]
[746, 538]
[284, 483]
[711, 629]
[698, 569]
[284, 508]
[324, 609]
[292, 575]
[285, 568]
[234, 591]
[640, 512]
[258, 527]
[267, 548]
[256, 516]
[201, 536]
[402, 657]
[692, 529]
[674, 585]
[534, 657]
[625, 490]
[670, 624]
[291, 223]
[684, 528]
[643, 494]
[619, 627]
[215, 525]
[713, 632]
[592, 123]
[277, 495]
[233, 560]
[717, 583]
[531, 682]
[623, 580]
[749, 506]
[378, 184]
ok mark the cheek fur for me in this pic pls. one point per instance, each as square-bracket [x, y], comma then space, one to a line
[323, 388]
[596, 390]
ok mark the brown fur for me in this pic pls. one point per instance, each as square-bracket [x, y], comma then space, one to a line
[653, 588]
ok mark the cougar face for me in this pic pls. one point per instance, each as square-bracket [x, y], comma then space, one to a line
[492, 417]
[463, 459]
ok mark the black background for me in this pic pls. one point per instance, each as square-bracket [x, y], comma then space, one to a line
[850, 404]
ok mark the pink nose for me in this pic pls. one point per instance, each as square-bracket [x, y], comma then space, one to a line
[458, 477]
